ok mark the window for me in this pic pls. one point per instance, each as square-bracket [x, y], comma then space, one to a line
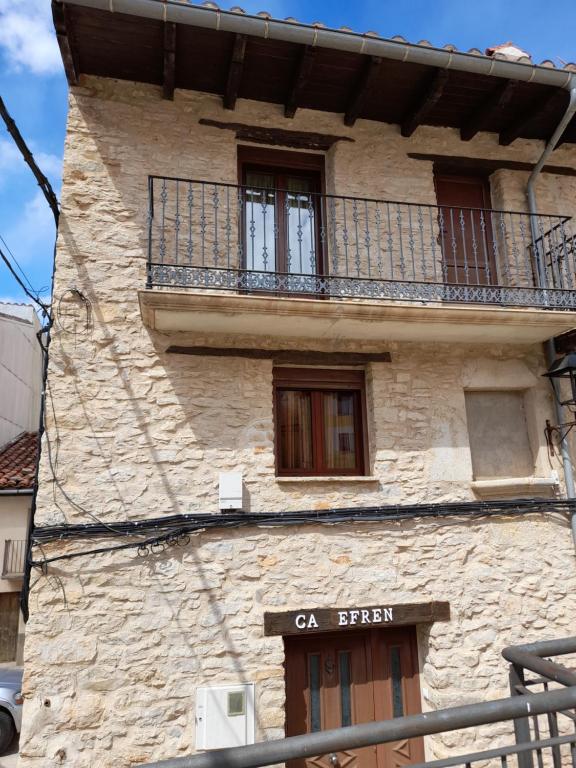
[319, 421]
[281, 211]
[499, 441]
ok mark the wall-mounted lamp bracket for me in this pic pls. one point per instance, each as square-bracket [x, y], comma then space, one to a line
[559, 430]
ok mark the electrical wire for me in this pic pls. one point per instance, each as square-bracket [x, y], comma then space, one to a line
[15, 275]
[171, 529]
[28, 157]
[43, 336]
[76, 505]
[15, 260]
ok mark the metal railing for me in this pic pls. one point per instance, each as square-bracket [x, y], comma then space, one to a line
[543, 725]
[14, 558]
[529, 671]
[206, 235]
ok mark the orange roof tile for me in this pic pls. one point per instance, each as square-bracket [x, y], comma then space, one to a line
[18, 462]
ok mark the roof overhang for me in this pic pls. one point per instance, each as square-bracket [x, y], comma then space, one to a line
[236, 55]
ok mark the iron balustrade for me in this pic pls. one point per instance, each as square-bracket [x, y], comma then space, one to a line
[206, 235]
[14, 558]
[537, 728]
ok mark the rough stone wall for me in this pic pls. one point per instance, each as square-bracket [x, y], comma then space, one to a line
[116, 645]
[112, 673]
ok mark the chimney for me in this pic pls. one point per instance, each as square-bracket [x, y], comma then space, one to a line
[510, 52]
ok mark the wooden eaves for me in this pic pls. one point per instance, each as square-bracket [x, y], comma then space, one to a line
[354, 84]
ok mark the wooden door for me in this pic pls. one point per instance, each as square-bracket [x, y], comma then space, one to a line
[465, 227]
[340, 679]
[9, 615]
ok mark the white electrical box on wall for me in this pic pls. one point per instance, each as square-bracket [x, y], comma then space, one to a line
[224, 716]
[231, 490]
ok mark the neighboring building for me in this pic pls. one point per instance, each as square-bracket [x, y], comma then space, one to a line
[20, 387]
[20, 370]
[17, 474]
[249, 332]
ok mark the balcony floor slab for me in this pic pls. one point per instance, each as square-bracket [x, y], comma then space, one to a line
[291, 317]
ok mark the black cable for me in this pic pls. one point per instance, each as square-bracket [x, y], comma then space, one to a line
[78, 507]
[43, 182]
[16, 277]
[45, 332]
[43, 335]
[170, 529]
[15, 260]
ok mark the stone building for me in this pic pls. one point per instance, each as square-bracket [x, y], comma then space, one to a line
[296, 471]
[20, 384]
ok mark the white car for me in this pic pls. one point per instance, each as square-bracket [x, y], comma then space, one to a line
[10, 705]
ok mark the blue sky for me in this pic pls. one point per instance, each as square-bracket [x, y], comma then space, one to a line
[33, 86]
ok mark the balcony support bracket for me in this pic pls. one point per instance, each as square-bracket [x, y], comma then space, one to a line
[301, 78]
[169, 60]
[235, 71]
[424, 102]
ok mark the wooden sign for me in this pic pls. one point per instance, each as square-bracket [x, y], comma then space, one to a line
[307, 621]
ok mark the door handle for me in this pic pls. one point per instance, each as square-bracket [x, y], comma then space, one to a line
[333, 760]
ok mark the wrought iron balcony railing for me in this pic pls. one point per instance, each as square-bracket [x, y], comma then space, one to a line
[14, 558]
[291, 242]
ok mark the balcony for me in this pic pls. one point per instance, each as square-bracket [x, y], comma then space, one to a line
[14, 558]
[357, 267]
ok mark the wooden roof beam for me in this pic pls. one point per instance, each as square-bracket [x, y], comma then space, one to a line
[361, 88]
[235, 71]
[301, 78]
[60, 15]
[496, 101]
[424, 102]
[519, 124]
[169, 75]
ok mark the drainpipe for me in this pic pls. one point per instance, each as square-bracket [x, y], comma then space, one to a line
[17, 492]
[549, 347]
[550, 351]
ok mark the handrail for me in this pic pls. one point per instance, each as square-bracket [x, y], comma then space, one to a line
[530, 656]
[518, 708]
[14, 558]
[242, 238]
[367, 734]
[491, 754]
[252, 187]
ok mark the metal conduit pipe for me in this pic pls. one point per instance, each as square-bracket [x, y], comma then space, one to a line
[353, 42]
[550, 352]
[364, 735]
[17, 492]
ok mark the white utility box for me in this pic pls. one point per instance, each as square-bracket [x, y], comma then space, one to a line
[224, 716]
[231, 490]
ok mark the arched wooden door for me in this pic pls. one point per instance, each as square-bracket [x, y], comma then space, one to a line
[345, 678]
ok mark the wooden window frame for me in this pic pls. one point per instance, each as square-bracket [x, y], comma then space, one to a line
[316, 380]
[279, 162]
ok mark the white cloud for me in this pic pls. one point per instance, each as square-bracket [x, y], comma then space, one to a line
[10, 157]
[32, 233]
[50, 165]
[12, 162]
[27, 36]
